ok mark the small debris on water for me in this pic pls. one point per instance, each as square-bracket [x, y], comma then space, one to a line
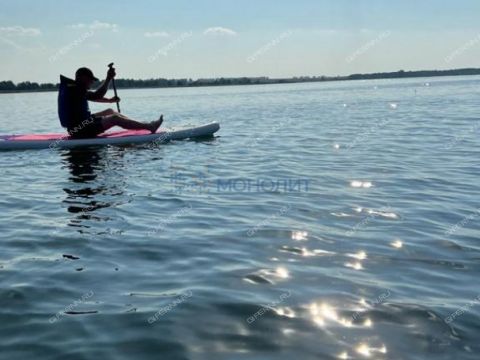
[81, 312]
[71, 257]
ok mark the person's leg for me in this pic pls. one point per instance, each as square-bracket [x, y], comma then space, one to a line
[109, 112]
[105, 112]
[124, 122]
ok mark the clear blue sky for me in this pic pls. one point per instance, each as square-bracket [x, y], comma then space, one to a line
[213, 38]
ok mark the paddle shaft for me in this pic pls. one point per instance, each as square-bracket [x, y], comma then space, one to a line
[114, 89]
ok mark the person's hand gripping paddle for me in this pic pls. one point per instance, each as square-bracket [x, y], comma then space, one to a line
[114, 88]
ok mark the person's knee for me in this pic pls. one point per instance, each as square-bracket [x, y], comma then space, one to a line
[109, 121]
[116, 118]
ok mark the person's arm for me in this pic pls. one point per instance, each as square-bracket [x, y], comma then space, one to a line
[99, 94]
[107, 100]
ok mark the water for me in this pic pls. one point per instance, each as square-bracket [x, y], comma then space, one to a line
[325, 221]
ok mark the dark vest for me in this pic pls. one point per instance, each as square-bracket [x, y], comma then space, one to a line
[72, 103]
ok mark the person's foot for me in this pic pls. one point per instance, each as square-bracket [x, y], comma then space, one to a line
[154, 125]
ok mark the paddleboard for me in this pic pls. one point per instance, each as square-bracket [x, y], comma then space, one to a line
[126, 137]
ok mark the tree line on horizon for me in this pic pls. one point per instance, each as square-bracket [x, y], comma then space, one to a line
[10, 86]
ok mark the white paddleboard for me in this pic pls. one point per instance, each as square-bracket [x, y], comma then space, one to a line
[127, 137]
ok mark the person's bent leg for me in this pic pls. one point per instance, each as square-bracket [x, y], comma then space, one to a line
[124, 122]
[105, 112]
[110, 121]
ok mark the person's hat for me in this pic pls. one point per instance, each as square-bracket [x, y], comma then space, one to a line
[85, 72]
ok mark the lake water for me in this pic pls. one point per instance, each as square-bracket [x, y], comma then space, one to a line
[324, 221]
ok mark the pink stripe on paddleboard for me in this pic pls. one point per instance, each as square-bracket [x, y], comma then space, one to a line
[46, 137]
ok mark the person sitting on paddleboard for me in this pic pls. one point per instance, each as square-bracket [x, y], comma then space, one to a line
[75, 114]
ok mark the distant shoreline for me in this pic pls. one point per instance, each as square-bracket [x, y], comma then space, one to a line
[8, 87]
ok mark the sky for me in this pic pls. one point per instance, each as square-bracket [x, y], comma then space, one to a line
[232, 38]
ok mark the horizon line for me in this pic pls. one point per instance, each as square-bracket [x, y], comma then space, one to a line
[260, 80]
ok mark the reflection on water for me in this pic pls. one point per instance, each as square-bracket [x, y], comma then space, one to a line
[397, 244]
[268, 276]
[96, 181]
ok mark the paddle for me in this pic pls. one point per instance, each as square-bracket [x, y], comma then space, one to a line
[114, 88]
